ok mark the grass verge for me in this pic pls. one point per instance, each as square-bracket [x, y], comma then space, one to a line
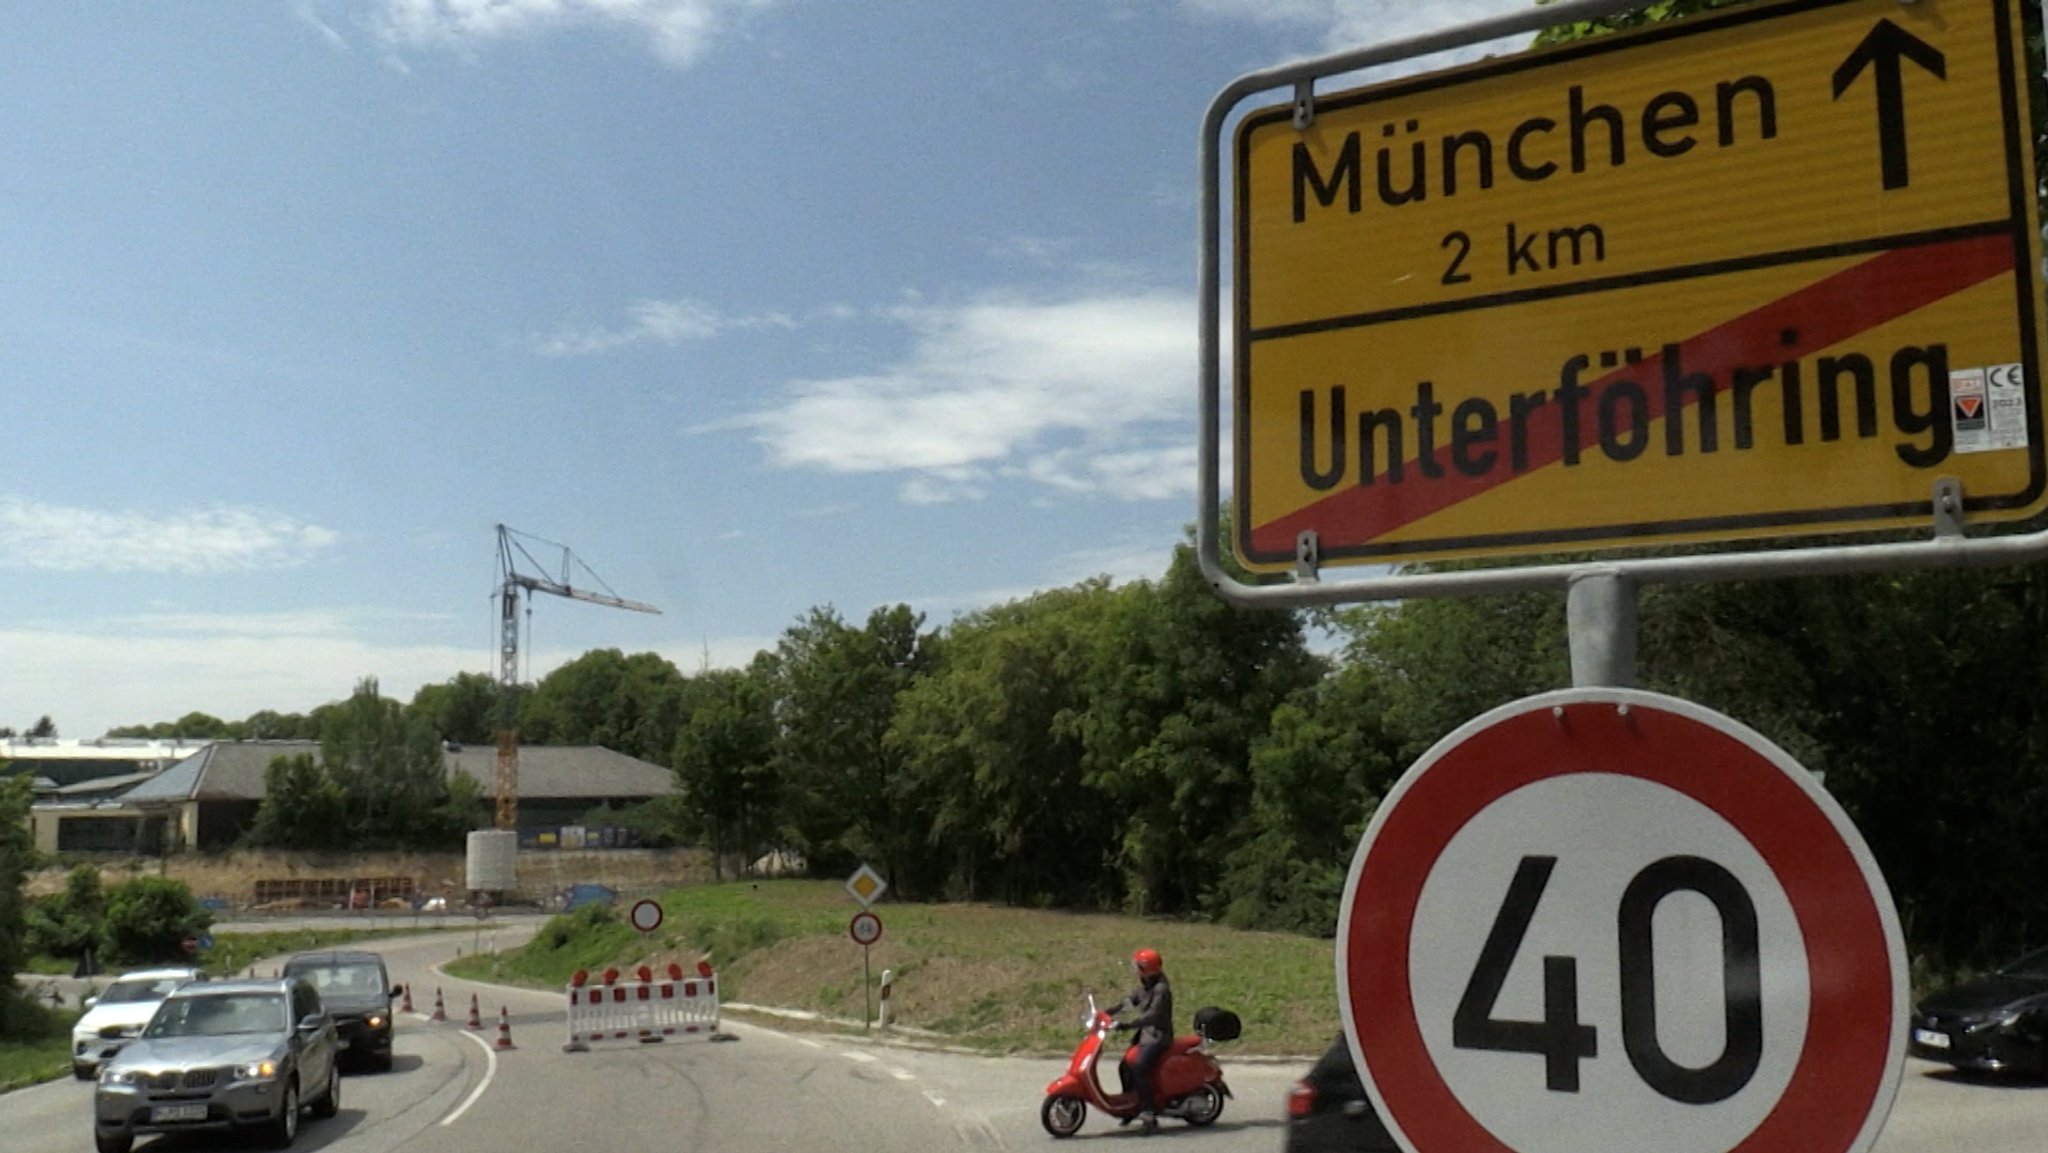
[1002, 979]
[42, 1053]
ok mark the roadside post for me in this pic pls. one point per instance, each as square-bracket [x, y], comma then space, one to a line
[865, 886]
[1708, 285]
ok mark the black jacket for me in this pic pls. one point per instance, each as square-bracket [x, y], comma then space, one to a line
[1154, 1002]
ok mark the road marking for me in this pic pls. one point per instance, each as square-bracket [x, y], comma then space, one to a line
[932, 1095]
[903, 1074]
[811, 1043]
[863, 1058]
[490, 1071]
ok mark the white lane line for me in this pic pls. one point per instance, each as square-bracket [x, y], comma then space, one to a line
[863, 1058]
[811, 1043]
[903, 1074]
[490, 1071]
[932, 1095]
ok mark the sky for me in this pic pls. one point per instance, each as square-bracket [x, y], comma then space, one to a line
[756, 305]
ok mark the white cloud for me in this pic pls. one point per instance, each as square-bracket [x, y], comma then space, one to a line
[1080, 394]
[34, 535]
[1341, 25]
[665, 322]
[311, 19]
[678, 31]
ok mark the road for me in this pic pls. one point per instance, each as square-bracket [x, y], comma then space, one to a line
[451, 1092]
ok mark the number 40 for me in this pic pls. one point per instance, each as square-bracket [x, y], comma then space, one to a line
[1563, 1041]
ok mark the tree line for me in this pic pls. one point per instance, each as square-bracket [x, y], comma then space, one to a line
[1146, 747]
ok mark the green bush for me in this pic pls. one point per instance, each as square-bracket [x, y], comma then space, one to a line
[69, 924]
[149, 918]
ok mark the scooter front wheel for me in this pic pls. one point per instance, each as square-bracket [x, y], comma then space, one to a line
[1062, 1115]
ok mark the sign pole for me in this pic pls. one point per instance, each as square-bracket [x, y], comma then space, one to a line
[866, 992]
[1600, 625]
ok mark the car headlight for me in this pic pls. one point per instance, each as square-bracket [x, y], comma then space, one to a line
[259, 1071]
[117, 1076]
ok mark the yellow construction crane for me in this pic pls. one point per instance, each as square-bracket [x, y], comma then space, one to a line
[512, 582]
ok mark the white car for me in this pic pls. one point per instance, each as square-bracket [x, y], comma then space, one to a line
[117, 1015]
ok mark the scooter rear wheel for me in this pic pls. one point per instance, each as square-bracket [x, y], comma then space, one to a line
[1062, 1115]
[1202, 1106]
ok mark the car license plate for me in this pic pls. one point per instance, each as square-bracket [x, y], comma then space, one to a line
[177, 1113]
[1930, 1038]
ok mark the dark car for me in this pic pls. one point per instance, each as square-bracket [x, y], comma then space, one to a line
[1329, 1111]
[222, 1055]
[1997, 1022]
[357, 991]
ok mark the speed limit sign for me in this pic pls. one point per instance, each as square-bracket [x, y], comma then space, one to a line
[1609, 919]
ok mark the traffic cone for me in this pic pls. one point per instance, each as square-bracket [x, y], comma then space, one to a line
[440, 1011]
[504, 1029]
[405, 1002]
[476, 1020]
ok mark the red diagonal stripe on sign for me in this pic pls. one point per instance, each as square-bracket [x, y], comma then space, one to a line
[1824, 313]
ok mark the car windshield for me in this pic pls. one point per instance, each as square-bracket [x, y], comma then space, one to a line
[148, 989]
[219, 1014]
[2034, 964]
[343, 979]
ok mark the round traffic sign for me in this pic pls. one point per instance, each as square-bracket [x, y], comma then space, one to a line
[645, 915]
[1604, 918]
[865, 928]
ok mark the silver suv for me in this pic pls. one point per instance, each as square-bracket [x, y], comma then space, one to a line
[222, 1055]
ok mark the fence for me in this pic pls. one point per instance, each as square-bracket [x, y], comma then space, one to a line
[644, 1011]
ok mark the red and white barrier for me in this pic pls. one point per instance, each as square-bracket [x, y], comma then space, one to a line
[644, 1011]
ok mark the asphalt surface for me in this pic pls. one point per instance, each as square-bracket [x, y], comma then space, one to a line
[768, 1090]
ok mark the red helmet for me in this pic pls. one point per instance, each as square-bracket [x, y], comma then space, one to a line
[1147, 962]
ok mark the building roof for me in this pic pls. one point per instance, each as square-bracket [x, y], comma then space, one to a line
[233, 771]
[98, 748]
[95, 786]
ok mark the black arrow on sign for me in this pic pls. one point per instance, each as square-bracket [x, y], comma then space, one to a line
[1882, 50]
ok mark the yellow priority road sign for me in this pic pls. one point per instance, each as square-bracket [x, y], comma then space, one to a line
[1768, 271]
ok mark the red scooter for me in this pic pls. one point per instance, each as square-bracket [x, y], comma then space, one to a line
[1189, 1081]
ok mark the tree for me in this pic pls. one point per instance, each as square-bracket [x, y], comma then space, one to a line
[1635, 18]
[70, 924]
[381, 781]
[390, 770]
[1317, 775]
[836, 689]
[725, 766]
[17, 856]
[463, 708]
[302, 806]
[1181, 687]
[630, 704]
[149, 918]
[43, 728]
[992, 740]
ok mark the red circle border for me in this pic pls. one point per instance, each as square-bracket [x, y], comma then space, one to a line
[1851, 946]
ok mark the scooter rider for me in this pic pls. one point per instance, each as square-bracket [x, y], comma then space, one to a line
[1154, 1000]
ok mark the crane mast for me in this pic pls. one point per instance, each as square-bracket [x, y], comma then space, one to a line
[513, 582]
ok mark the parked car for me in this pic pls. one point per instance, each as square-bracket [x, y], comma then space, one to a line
[1996, 1022]
[1329, 1112]
[115, 1016]
[223, 1055]
[357, 991]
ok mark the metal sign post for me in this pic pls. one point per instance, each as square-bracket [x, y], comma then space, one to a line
[865, 929]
